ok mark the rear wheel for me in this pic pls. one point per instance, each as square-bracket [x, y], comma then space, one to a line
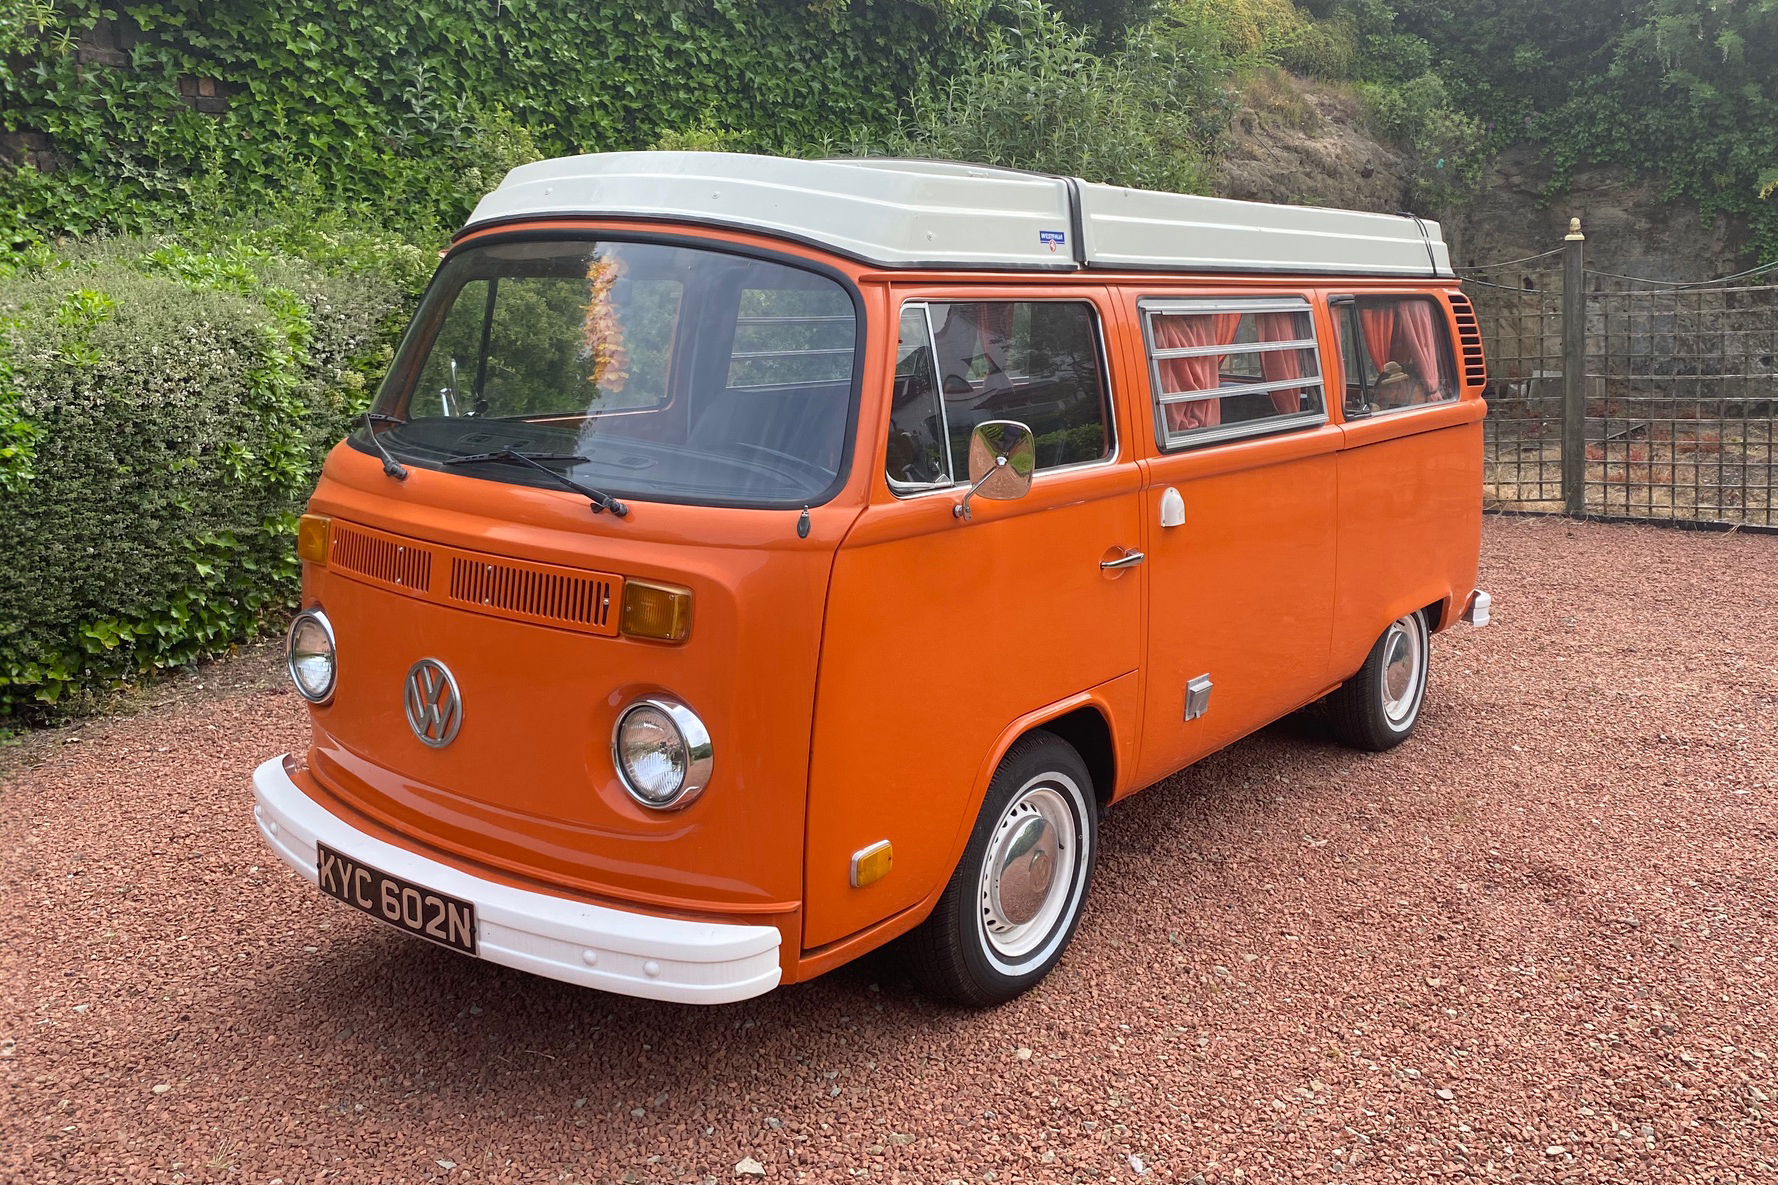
[1015, 899]
[1377, 708]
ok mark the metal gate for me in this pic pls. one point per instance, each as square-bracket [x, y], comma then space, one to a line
[1619, 398]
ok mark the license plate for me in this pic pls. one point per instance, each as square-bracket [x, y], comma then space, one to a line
[427, 912]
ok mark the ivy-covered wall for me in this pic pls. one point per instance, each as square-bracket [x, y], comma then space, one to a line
[136, 112]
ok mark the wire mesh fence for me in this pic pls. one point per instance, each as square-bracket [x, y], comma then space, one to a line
[1678, 396]
[1681, 389]
[1522, 436]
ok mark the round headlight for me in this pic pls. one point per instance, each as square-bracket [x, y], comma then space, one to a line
[309, 656]
[662, 753]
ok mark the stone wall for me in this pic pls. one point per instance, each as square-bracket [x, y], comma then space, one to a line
[1631, 228]
[1297, 142]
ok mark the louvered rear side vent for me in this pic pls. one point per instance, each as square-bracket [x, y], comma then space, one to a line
[380, 558]
[535, 592]
[1469, 341]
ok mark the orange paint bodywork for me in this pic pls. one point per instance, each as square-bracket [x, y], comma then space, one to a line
[861, 683]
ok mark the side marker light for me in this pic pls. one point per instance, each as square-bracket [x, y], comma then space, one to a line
[871, 864]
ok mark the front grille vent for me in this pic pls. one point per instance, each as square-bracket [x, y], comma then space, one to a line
[1469, 337]
[533, 592]
[380, 558]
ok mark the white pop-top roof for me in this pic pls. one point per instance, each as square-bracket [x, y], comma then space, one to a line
[915, 213]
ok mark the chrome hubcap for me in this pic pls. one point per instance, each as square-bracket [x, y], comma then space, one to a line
[1404, 670]
[1029, 872]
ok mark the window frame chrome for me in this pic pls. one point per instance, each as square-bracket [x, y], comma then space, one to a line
[1108, 397]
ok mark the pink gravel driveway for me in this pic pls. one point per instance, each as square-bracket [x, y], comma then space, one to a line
[1535, 943]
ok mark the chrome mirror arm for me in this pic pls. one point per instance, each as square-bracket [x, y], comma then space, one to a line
[447, 396]
[961, 509]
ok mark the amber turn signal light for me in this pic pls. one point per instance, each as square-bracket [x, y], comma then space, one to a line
[658, 611]
[871, 864]
[311, 539]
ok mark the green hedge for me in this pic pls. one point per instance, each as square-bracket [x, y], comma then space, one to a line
[167, 411]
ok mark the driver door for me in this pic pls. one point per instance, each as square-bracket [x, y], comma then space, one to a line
[943, 632]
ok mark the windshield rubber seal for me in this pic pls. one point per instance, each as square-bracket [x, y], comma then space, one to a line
[848, 449]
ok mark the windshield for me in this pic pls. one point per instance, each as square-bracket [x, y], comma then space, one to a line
[644, 370]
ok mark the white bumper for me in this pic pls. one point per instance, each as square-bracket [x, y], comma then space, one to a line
[613, 950]
[1480, 606]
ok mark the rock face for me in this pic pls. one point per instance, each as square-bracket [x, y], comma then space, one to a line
[1300, 144]
[1303, 143]
[1631, 228]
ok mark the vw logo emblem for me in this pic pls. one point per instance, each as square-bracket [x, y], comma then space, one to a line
[434, 706]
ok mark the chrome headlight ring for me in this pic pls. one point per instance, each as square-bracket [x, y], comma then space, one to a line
[662, 753]
[303, 633]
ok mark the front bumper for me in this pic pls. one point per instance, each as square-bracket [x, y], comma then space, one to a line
[631, 954]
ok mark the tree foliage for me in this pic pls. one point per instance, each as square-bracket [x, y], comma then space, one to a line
[1682, 89]
[1041, 95]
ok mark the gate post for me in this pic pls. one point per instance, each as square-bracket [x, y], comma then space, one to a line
[1574, 373]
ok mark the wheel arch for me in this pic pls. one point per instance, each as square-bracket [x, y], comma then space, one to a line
[1087, 729]
[1090, 718]
[1354, 642]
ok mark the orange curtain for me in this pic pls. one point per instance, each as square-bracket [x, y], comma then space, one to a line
[1417, 340]
[1277, 365]
[1376, 320]
[1174, 331]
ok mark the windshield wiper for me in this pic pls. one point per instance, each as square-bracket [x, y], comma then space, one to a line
[600, 499]
[391, 466]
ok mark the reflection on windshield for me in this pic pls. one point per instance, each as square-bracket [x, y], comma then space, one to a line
[678, 373]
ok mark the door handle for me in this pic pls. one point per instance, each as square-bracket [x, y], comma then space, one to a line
[1128, 560]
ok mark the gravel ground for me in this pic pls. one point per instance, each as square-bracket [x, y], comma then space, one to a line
[1531, 944]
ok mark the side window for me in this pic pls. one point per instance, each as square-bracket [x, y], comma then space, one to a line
[1037, 362]
[1395, 352]
[1225, 368]
[792, 337]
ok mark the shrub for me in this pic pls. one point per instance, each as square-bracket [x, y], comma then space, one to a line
[1327, 50]
[175, 406]
[1041, 97]
[1448, 145]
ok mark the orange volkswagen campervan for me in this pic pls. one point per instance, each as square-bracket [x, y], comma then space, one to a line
[748, 562]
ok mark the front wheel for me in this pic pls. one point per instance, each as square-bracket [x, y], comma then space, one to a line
[1377, 708]
[1015, 899]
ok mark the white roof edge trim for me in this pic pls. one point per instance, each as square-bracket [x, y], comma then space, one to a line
[898, 213]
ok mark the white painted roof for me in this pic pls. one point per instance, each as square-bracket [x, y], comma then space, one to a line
[910, 213]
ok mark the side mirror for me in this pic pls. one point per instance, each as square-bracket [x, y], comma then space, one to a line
[1002, 460]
